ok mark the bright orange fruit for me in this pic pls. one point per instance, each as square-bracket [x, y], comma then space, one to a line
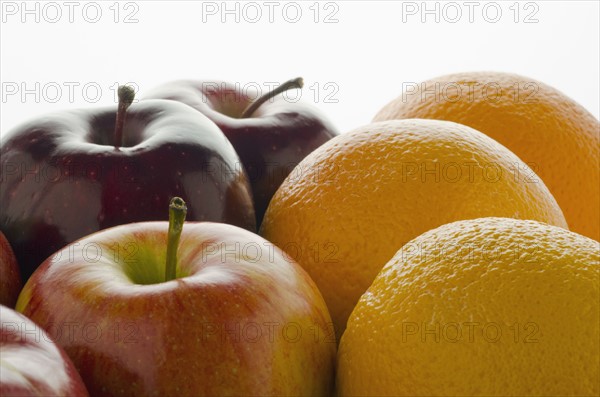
[352, 203]
[556, 136]
[486, 307]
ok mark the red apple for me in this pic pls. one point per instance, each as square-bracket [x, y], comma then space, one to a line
[10, 279]
[31, 364]
[215, 310]
[67, 175]
[270, 134]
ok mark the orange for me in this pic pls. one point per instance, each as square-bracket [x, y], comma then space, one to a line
[492, 306]
[556, 136]
[348, 207]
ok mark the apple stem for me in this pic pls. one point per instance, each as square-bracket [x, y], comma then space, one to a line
[126, 95]
[298, 82]
[177, 212]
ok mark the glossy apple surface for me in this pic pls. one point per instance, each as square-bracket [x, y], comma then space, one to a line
[241, 318]
[10, 279]
[31, 364]
[270, 142]
[63, 177]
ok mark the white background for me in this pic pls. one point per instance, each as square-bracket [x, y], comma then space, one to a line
[355, 56]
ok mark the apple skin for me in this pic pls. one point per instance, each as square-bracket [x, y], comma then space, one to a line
[62, 178]
[31, 363]
[10, 279]
[217, 329]
[270, 143]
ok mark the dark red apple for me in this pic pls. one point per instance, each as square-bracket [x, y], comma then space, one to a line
[70, 174]
[211, 311]
[270, 134]
[31, 364]
[10, 279]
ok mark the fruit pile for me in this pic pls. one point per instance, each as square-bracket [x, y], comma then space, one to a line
[203, 241]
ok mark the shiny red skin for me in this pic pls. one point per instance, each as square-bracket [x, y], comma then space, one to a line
[62, 178]
[148, 337]
[10, 278]
[31, 363]
[270, 143]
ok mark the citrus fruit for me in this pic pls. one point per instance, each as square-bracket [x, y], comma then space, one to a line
[553, 134]
[490, 306]
[348, 207]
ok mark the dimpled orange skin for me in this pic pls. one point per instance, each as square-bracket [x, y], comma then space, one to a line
[352, 203]
[537, 284]
[556, 136]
